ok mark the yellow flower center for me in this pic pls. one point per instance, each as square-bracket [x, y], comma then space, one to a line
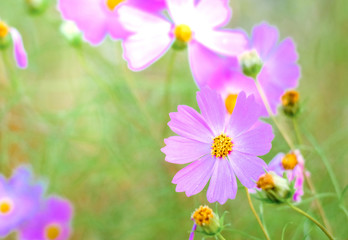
[183, 33]
[4, 29]
[5, 206]
[290, 98]
[112, 4]
[221, 146]
[203, 215]
[52, 231]
[266, 182]
[230, 102]
[289, 161]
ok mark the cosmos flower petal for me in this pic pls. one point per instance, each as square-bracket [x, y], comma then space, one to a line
[213, 13]
[256, 141]
[58, 211]
[248, 168]
[193, 178]
[152, 6]
[275, 165]
[18, 49]
[192, 234]
[212, 109]
[188, 123]
[226, 42]
[244, 116]
[205, 64]
[181, 10]
[264, 39]
[182, 150]
[223, 183]
[151, 38]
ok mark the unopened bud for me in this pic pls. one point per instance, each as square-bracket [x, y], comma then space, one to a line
[276, 188]
[71, 33]
[251, 63]
[207, 220]
[37, 6]
[5, 37]
[290, 103]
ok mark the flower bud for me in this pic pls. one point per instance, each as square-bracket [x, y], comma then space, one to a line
[37, 6]
[207, 220]
[277, 189]
[5, 36]
[290, 103]
[251, 63]
[71, 32]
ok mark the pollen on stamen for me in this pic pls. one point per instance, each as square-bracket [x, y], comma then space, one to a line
[52, 231]
[4, 29]
[230, 102]
[5, 207]
[222, 146]
[203, 215]
[112, 4]
[183, 33]
[289, 161]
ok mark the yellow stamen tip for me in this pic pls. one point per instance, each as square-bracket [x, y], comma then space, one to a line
[5, 207]
[183, 33]
[203, 215]
[52, 232]
[112, 4]
[4, 29]
[221, 146]
[230, 102]
[289, 161]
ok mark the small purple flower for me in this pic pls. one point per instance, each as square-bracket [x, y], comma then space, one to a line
[293, 165]
[98, 18]
[219, 148]
[53, 222]
[20, 199]
[279, 71]
[192, 22]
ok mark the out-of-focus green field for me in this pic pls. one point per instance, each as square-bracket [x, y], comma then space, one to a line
[93, 129]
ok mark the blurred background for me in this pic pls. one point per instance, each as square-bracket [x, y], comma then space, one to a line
[93, 129]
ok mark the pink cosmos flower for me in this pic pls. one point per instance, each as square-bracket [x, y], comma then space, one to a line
[217, 148]
[293, 165]
[98, 18]
[192, 22]
[53, 222]
[279, 72]
[20, 199]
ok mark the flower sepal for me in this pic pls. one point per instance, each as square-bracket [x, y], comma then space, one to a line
[5, 42]
[179, 45]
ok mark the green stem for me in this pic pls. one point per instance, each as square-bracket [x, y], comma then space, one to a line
[167, 98]
[312, 219]
[255, 214]
[269, 110]
[297, 130]
[219, 236]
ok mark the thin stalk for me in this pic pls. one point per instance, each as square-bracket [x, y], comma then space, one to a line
[297, 130]
[219, 236]
[269, 110]
[255, 214]
[312, 219]
[168, 83]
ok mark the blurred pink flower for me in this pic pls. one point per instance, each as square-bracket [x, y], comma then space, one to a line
[294, 170]
[98, 18]
[20, 199]
[53, 222]
[219, 148]
[192, 23]
[279, 72]
[18, 49]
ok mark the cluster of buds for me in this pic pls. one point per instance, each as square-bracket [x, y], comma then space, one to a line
[290, 103]
[277, 189]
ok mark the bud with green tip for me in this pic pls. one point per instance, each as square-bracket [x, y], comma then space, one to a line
[290, 103]
[251, 63]
[71, 33]
[37, 6]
